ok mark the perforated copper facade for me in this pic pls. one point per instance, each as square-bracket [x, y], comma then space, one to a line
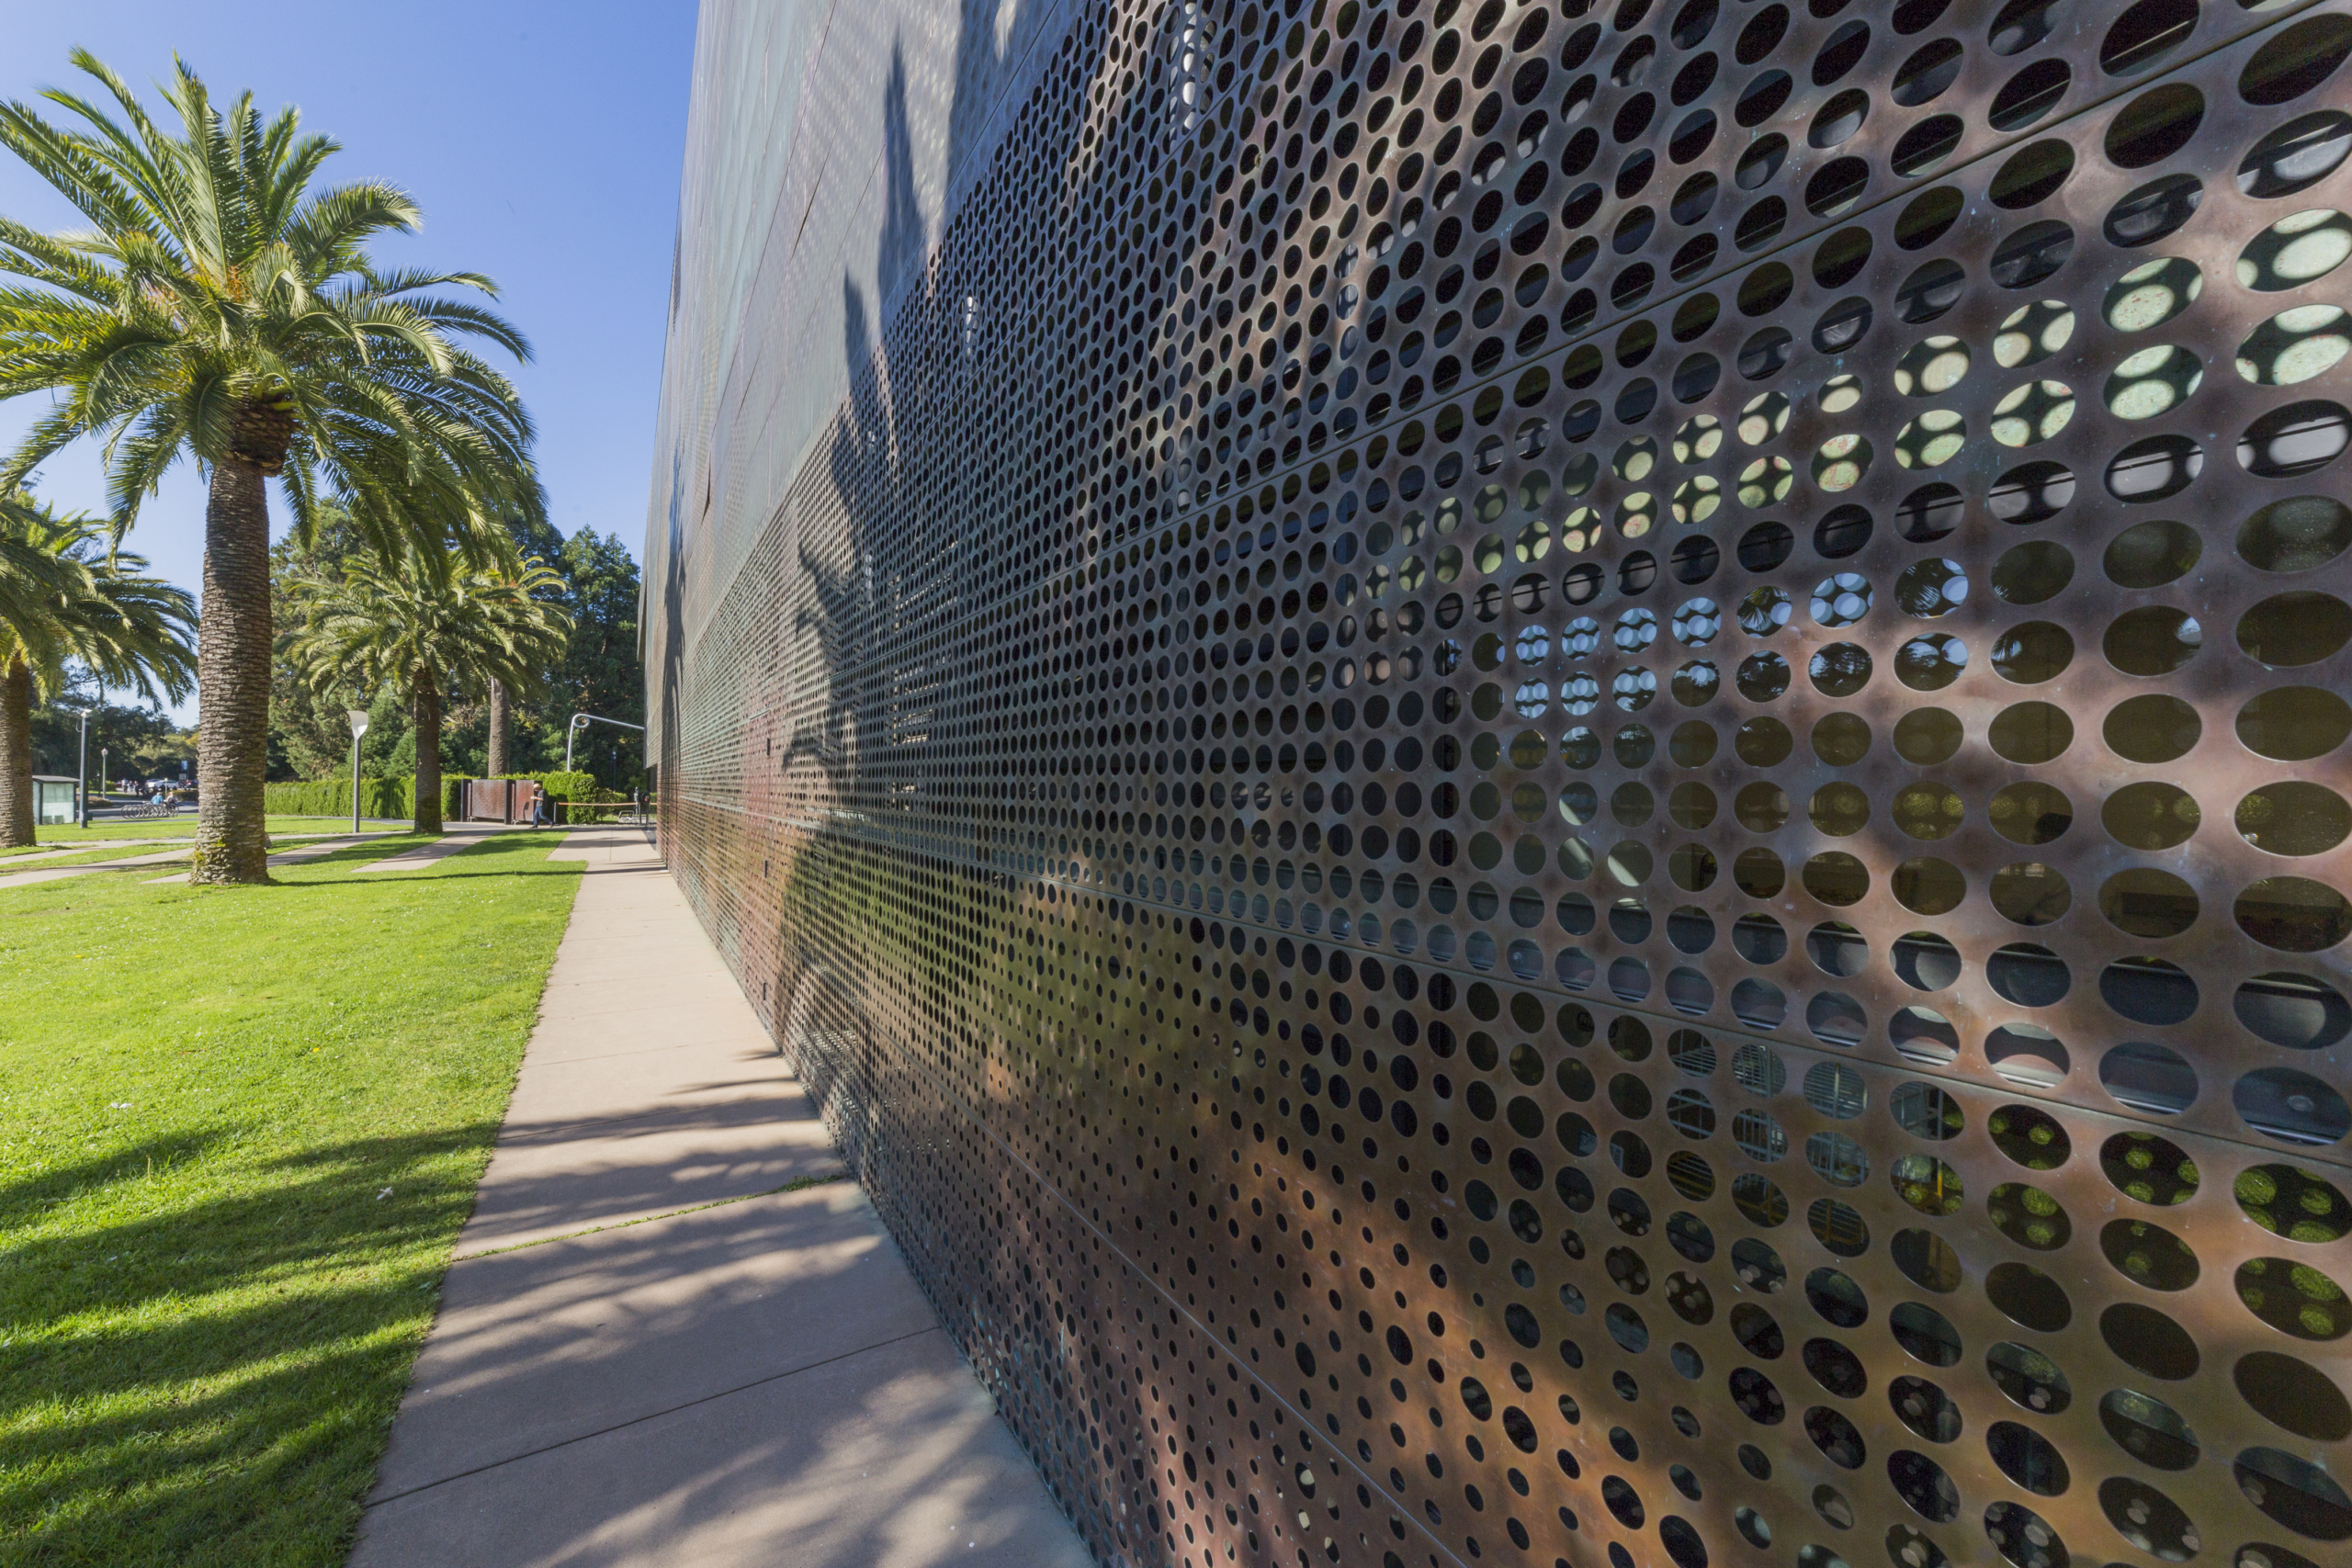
[1543, 784]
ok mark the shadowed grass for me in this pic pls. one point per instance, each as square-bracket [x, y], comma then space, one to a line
[238, 1130]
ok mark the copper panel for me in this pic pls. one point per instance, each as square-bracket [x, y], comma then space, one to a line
[1555, 785]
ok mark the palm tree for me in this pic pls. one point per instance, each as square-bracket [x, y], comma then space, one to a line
[496, 762]
[424, 628]
[65, 599]
[218, 307]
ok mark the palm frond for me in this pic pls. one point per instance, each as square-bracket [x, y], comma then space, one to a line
[327, 230]
[64, 597]
[51, 433]
[75, 166]
[221, 290]
[463, 625]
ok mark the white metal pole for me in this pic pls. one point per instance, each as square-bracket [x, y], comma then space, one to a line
[81, 775]
[358, 727]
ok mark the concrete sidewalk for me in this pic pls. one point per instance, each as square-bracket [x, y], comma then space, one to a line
[33, 857]
[293, 857]
[622, 1375]
[161, 857]
[59, 873]
[456, 838]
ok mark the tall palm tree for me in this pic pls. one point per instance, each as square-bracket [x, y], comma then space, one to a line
[65, 598]
[426, 628]
[221, 309]
[497, 764]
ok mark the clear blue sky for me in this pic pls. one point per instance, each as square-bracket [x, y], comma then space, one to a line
[542, 141]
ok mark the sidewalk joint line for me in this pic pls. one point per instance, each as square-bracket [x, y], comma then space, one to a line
[767, 1048]
[653, 1415]
[797, 1184]
[543, 1134]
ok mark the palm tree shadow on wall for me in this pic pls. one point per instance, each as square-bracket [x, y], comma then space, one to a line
[670, 667]
[871, 829]
[885, 886]
[853, 578]
[870, 532]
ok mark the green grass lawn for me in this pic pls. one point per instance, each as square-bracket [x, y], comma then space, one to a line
[97, 851]
[238, 1130]
[52, 837]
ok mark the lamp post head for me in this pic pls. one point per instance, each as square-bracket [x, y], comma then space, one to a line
[358, 722]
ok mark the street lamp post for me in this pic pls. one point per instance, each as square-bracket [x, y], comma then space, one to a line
[81, 775]
[358, 727]
[581, 721]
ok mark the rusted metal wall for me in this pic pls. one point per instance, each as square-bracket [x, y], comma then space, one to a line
[497, 800]
[1551, 784]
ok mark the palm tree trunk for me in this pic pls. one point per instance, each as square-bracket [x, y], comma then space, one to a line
[425, 710]
[496, 765]
[15, 755]
[232, 668]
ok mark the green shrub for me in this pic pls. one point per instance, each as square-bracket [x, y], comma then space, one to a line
[385, 797]
[396, 796]
[562, 785]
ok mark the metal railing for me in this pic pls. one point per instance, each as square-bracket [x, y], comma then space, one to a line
[571, 813]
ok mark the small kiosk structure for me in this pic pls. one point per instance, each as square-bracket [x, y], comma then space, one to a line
[52, 801]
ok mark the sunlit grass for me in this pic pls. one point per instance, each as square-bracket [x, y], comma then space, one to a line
[238, 1130]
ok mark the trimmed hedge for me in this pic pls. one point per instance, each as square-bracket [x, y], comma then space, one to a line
[393, 797]
[562, 785]
[385, 797]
